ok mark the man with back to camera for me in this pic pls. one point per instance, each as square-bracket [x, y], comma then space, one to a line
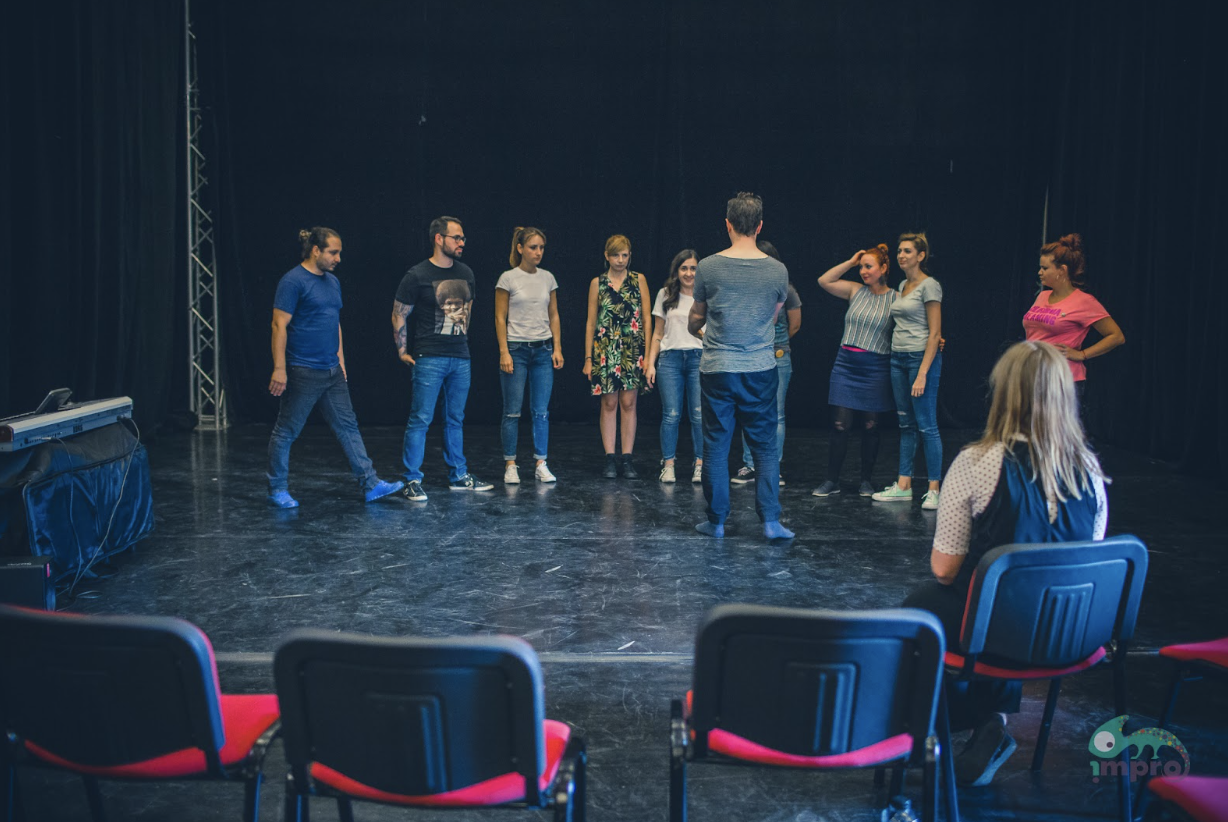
[738, 294]
[438, 292]
[309, 366]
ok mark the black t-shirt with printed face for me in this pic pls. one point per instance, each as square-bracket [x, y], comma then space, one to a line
[441, 299]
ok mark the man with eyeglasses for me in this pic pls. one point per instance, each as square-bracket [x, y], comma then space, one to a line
[438, 292]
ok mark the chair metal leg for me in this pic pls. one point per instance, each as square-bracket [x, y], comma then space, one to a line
[947, 757]
[897, 781]
[345, 809]
[295, 803]
[1119, 679]
[94, 796]
[677, 762]
[1171, 702]
[580, 796]
[1046, 722]
[1124, 789]
[251, 797]
[880, 777]
[8, 792]
[929, 788]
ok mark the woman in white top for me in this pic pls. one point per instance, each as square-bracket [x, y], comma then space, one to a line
[673, 357]
[530, 347]
[916, 366]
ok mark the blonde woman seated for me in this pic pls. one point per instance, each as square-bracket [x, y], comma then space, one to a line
[1031, 478]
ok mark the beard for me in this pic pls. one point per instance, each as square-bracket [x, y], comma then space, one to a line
[455, 253]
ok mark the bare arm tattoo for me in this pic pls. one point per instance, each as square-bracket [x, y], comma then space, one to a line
[400, 329]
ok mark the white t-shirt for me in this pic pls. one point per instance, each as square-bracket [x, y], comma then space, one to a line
[528, 303]
[676, 335]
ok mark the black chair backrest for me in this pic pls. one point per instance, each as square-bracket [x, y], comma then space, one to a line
[816, 683]
[1053, 604]
[412, 716]
[105, 691]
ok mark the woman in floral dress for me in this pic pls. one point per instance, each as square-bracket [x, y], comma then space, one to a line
[614, 341]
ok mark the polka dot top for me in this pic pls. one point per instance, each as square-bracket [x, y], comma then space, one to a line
[967, 489]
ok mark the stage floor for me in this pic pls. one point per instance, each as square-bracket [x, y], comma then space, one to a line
[608, 580]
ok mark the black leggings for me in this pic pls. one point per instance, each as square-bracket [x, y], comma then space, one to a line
[842, 422]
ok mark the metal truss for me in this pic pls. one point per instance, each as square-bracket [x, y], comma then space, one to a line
[208, 395]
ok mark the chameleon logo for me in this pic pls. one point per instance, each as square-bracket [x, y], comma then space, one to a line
[1108, 741]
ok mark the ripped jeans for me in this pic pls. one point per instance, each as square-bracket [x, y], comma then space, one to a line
[531, 365]
[917, 414]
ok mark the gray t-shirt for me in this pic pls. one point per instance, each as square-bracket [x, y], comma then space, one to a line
[742, 298]
[912, 326]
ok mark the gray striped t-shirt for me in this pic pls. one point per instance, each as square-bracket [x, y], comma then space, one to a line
[867, 323]
[742, 298]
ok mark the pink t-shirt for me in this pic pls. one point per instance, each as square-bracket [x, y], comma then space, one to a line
[1065, 322]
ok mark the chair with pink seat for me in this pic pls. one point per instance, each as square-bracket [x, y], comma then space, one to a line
[1193, 661]
[815, 690]
[457, 722]
[123, 698]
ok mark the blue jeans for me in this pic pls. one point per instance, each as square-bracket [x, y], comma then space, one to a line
[434, 376]
[784, 370]
[678, 379]
[531, 365]
[305, 387]
[917, 413]
[749, 399]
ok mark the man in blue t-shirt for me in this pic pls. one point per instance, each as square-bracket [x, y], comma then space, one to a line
[738, 294]
[438, 293]
[309, 366]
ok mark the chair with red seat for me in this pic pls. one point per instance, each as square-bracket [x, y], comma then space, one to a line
[1048, 611]
[1185, 798]
[123, 698]
[1193, 660]
[816, 690]
[427, 723]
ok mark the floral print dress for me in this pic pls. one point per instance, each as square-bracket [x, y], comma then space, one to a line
[618, 342]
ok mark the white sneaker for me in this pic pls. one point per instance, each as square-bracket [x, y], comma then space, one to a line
[543, 473]
[697, 476]
[930, 501]
[511, 475]
[667, 472]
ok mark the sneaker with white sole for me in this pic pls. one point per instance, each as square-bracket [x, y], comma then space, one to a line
[511, 474]
[930, 501]
[470, 483]
[988, 748]
[413, 491]
[743, 476]
[865, 489]
[826, 489]
[543, 473]
[893, 493]
[667, 473]
[697, 476]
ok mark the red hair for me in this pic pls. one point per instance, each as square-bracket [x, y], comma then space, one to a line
[1068, 251]
[883, 254]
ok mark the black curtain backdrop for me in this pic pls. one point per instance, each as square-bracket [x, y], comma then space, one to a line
[90, 276]
[586, 119]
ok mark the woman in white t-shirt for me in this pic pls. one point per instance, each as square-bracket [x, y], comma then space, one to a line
[673, 356]
[530, 347]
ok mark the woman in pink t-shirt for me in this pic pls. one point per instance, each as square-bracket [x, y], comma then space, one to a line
[1063, 311]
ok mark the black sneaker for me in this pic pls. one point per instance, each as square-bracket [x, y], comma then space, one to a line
[611, 467]
[743, 476]
[413, 491]
[629, 471]
[470, 483]
[826, 489]
[988, 748]
[865, 489]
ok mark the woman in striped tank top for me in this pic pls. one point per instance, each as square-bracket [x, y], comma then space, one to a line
[861, 376]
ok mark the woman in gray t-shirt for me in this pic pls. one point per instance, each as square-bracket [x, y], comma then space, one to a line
[916, 366]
